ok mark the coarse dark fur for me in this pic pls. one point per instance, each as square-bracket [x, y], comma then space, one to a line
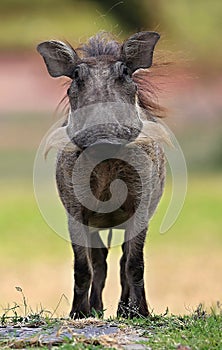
[102, 71]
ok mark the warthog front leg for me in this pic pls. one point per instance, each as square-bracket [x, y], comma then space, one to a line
[98, 258]
[82, 277]
[133, 299]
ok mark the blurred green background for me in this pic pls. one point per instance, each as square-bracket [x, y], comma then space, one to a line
[183, 266]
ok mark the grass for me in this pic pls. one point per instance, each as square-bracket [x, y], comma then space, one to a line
[22, 315]
[200, 330]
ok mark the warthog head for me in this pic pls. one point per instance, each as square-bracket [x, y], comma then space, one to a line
[102, 93]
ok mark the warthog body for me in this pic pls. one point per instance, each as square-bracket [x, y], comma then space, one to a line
[115, 144]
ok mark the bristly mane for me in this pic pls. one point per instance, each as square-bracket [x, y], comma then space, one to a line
[102, 44]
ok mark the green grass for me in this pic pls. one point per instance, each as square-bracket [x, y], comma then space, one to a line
[201, 330]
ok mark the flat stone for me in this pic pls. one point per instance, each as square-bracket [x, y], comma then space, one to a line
[55, 334]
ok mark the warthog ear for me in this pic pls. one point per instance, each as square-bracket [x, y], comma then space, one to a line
[137, 51]
[60, 58]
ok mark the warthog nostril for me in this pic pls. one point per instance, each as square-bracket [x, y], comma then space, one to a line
[103, 150]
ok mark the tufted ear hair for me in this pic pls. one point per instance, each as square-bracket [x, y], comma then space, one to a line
[60, 58]
[137, 50]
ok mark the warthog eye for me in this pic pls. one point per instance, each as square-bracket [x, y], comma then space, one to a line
[80, 73]
[122, 71]
[125, 70]
[76, 73]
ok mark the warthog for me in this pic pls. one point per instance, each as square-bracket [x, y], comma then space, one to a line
[117, 161]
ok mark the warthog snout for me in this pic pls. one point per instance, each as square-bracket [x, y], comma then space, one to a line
[109, 135]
